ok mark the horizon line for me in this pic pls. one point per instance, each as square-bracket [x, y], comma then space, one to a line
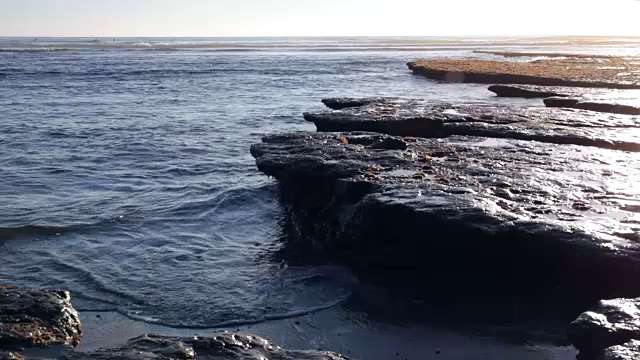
[315, 36]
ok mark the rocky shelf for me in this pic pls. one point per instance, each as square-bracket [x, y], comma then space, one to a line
[44, 319]
[522, 202]
[411, 117]
[615, 73]
[537, 218]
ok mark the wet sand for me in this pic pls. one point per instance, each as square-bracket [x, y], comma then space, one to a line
[351, 333]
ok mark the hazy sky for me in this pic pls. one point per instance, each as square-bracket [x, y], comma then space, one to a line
[318, 17]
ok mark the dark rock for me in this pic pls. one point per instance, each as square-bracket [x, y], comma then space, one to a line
[343, 103]
[561, 102]
[37, 318]
[524, 91]
[533, 91]
[439, 209]
[613, 322]
[11, 356]
[627, 351]
[598, 106]
[411, 117]
[214, 347]
[608, 107]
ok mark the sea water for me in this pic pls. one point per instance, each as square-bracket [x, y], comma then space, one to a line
[125, 169]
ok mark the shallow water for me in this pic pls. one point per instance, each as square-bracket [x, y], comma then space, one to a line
[126, 175]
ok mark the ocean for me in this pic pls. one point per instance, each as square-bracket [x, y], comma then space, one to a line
[126, 173]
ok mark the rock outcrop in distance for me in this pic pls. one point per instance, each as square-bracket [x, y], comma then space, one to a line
[611, 331]
[593, 99]
[614, 73]
[44, 318]
[538, 219]
[511, 54]
[411, 117]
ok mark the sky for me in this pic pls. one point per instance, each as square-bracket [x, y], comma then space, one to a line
[120, 18]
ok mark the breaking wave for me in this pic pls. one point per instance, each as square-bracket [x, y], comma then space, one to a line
[330, 44]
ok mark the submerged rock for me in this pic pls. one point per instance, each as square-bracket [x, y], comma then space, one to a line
[613, 73]
[412, 117]
[214, 346]
[535, 218]
[37, 318]
[599, 106]
[612, 323]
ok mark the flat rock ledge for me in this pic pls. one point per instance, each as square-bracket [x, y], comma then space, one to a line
[611, 331]
[216, 346]
[536, 218]
[534, 91]
[599, 106]
[413, 117]
[614, 73]
[37, 318]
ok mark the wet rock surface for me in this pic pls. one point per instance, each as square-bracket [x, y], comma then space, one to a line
[599, 106]
[627, 351]
[613, 73]
[411, 117]
[214, 346]
[612, 327]
[343, 103]
[10, 356]
[37, 318]
[535, 218]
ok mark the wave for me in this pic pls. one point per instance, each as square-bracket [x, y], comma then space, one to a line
[33, 230]
[363, 44]
[136, 315]
[90, 278]
[33, 50]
